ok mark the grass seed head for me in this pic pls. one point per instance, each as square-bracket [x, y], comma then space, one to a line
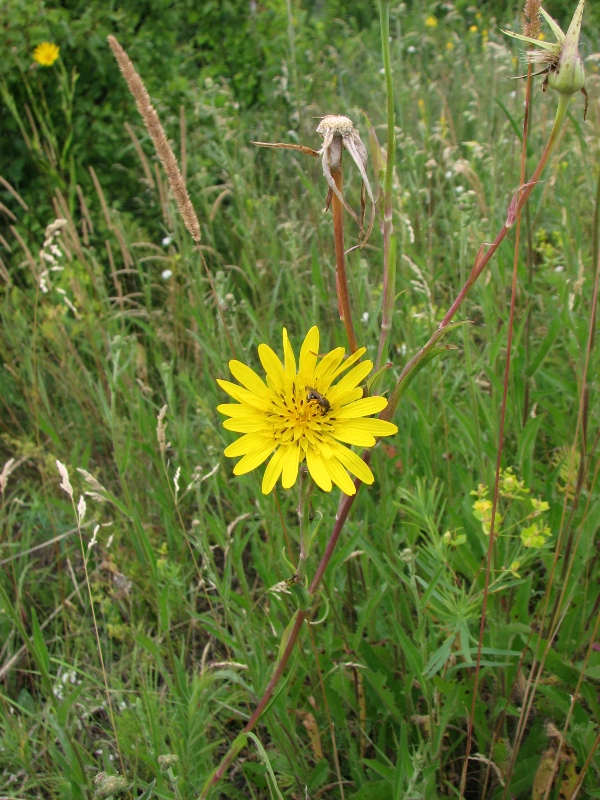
[533, 26]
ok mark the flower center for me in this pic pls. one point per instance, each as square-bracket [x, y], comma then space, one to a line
[300, 413]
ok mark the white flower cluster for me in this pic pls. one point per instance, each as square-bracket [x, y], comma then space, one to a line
[51, 253]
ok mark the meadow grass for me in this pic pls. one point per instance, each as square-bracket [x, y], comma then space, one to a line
[186, 576]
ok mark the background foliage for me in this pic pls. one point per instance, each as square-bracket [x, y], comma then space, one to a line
[185, 583]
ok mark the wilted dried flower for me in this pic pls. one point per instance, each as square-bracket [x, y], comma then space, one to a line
[338, 134]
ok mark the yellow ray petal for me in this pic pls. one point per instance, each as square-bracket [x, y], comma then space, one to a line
[362, 408]
[344, 433]
[349, 362]
[327, 366]
[355, 464]
[339, 476]
[272, 472]
[290, 465]
[248, 378]
[239, 410]
[254, 459]
[374, 427]
[350, 381]
[308, 353]
[288, 356]
[248, 443]
[249, 425]
[272, 366]
[316, 467]
[243, 395]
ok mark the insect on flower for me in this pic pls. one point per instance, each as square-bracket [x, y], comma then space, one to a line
[323, 402]
[299, 413]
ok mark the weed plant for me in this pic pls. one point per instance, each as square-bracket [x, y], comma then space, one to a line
[140, 625]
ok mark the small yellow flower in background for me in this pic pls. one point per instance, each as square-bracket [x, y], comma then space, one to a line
[431, 22]
[473, 29]
[299, 414]
[449, 45]
[46, 54]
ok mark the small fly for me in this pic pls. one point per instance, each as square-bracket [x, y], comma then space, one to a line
[323, 402]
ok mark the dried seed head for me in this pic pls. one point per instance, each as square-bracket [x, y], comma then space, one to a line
[335, 125]
[109, 785]
[167, 761]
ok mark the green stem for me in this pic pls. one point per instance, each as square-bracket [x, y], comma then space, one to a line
[304, 521]
[389, 249]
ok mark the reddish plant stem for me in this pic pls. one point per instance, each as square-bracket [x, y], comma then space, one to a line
[262, 704]
[341, 278]
[509, 339]
[481, 261]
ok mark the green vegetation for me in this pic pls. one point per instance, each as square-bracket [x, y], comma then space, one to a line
[159, 638]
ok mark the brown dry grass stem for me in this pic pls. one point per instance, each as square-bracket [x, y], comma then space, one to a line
[341, 278]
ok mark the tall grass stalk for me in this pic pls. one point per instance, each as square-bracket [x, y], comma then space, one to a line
[387, 224]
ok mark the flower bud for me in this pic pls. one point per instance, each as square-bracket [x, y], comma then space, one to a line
[569, 75]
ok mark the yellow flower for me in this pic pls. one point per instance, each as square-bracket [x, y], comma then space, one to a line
[301, 415]
[449, 45]
[431, 22]
[473, 29]
[46, 54]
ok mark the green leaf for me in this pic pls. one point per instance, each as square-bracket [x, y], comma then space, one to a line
[554, 329]
[148, 791]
